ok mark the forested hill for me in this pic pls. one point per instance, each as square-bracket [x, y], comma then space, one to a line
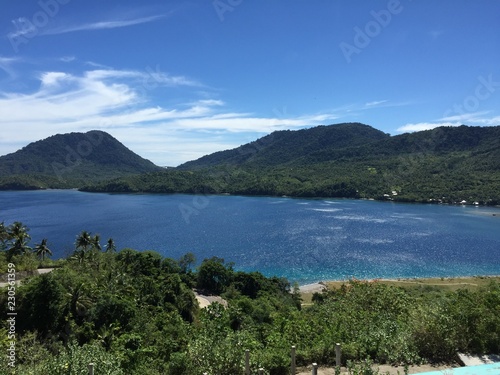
[447, 164]
[286, 146]
[70, 160]
[351, 141]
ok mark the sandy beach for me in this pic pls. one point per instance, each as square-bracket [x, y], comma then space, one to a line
[442, 283]
[454, 282]
[312, 288]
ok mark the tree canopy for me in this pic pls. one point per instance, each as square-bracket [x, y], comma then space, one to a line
[132, 312]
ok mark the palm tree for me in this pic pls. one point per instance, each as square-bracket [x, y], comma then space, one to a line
[110, 245]
[83, 241]
[94, 253]
[19, 237]
[96, 242]
[41, 249]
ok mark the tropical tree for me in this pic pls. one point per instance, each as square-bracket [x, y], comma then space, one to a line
[94, 252]
[19, 237]
[84, 241]
[96, 242]
[214, 275]
[187, 261]
[110, 245]
[42, 307]
[41, 249]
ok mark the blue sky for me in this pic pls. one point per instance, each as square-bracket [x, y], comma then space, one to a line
[175, 80]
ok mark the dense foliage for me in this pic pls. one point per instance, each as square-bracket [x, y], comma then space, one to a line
[448, 165]
[135, 312]
[69, 161]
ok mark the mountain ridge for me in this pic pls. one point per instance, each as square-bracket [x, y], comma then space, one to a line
[437, 140]
[71, 160]
[268, 150]
[446, 164]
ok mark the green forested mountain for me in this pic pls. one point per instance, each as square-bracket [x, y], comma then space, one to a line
[447, 164]
[70, 160]
[353, 141]
[286, 146]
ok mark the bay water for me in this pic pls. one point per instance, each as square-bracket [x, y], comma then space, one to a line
[304, 240]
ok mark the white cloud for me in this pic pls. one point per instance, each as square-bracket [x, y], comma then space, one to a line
[375, 103]
[52, 78]
[27, 29]
[24, 27]
[67, 59]
[170, 147]
[109, 24]
[211, 102]
[424, 126]
[149, 78]
[469, 118]
[236, 122]
[474, 118]
[117, 101]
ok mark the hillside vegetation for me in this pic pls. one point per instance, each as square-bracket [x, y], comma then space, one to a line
[303, 146]
[135, 313]
[70, 161]
[448, 164]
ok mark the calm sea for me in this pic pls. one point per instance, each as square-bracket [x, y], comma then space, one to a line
[305, 240]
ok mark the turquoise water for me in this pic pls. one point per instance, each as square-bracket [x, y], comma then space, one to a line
[488, 369]
[303, 240]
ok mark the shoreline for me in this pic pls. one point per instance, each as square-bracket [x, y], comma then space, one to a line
[375, 199]
[447, 281]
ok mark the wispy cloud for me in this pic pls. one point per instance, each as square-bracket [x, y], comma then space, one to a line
[471, 118]
[101, 25]
[475, 118]
[68, 59]
[375, 103]
[149, 77]
[24, 27]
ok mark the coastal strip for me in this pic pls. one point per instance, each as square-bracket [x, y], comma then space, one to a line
[449, 283]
